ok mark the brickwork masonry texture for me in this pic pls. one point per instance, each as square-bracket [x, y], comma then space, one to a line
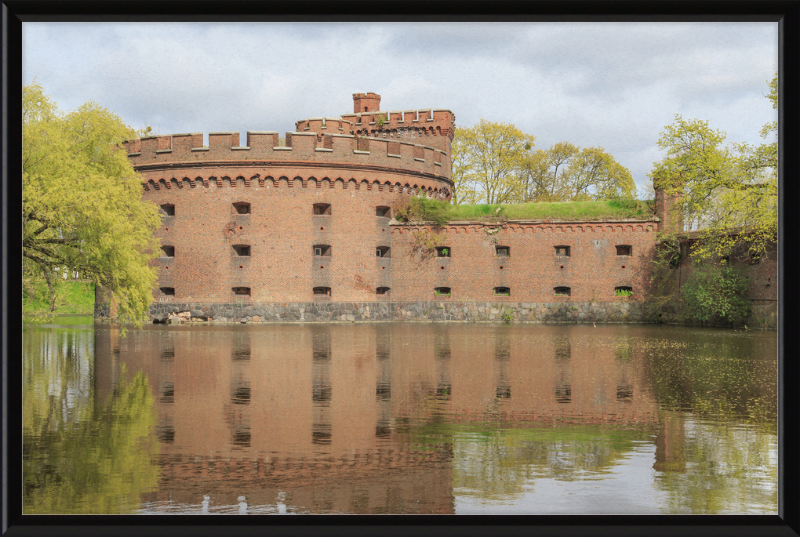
[305, 232]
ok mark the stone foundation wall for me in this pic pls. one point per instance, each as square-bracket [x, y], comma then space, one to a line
[554, 312]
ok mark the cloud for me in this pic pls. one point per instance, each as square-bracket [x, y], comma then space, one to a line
[594, 84]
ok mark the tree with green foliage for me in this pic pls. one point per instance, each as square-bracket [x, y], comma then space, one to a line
[729, 193]
[495, 163]
[485, 162]
[96, 464]
[566, 172]
[543, 173]
[716, 293]
[593, 174]
[82, 207]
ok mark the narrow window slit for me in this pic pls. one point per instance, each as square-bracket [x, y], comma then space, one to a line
[241, 250]
[322, 209]
[322, 250]
[241, 208]
[441, 291]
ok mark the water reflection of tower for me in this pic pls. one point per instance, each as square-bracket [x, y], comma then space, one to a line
[383, 385]
[166, 388]
[321, 433]
[502, 355]
[563, 359]
[240, 390]
[670, 456]
[441, 353]
[624, 355]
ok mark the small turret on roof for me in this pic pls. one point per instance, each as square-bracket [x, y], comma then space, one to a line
[366, 102]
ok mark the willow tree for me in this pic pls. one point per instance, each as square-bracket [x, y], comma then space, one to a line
[82, 207]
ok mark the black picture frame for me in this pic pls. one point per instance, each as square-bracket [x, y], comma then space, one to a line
[786, 13]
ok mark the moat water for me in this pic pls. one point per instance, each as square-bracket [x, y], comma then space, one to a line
[398, 418]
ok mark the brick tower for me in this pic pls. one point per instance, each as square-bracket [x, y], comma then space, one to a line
[366, 102]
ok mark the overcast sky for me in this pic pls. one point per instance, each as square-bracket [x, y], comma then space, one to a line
[613, 85]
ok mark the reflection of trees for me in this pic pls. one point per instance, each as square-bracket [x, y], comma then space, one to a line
[494, 464]
[79, 455]
[706, 374]
[727, 463]
[56, 376]
[729, 469]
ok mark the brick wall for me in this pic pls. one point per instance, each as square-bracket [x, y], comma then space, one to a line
[533, 270]
[762, 290]
[330, 161]
[282, 230]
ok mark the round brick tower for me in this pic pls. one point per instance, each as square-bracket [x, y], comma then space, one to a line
[304, 222]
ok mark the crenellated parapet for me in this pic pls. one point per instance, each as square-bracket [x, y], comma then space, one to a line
[438, 121]
[433, 127]
[332, 149]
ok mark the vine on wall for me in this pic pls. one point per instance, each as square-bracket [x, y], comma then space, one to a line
[426, 241]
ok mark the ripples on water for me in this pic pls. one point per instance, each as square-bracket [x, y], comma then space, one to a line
[398, 418]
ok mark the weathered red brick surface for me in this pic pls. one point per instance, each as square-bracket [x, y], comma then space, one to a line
[354, 165]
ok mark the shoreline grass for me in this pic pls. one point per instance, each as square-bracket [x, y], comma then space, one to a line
[73, 297]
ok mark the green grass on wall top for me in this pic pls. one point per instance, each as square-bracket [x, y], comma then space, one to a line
[426, 210]
[571, 210]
